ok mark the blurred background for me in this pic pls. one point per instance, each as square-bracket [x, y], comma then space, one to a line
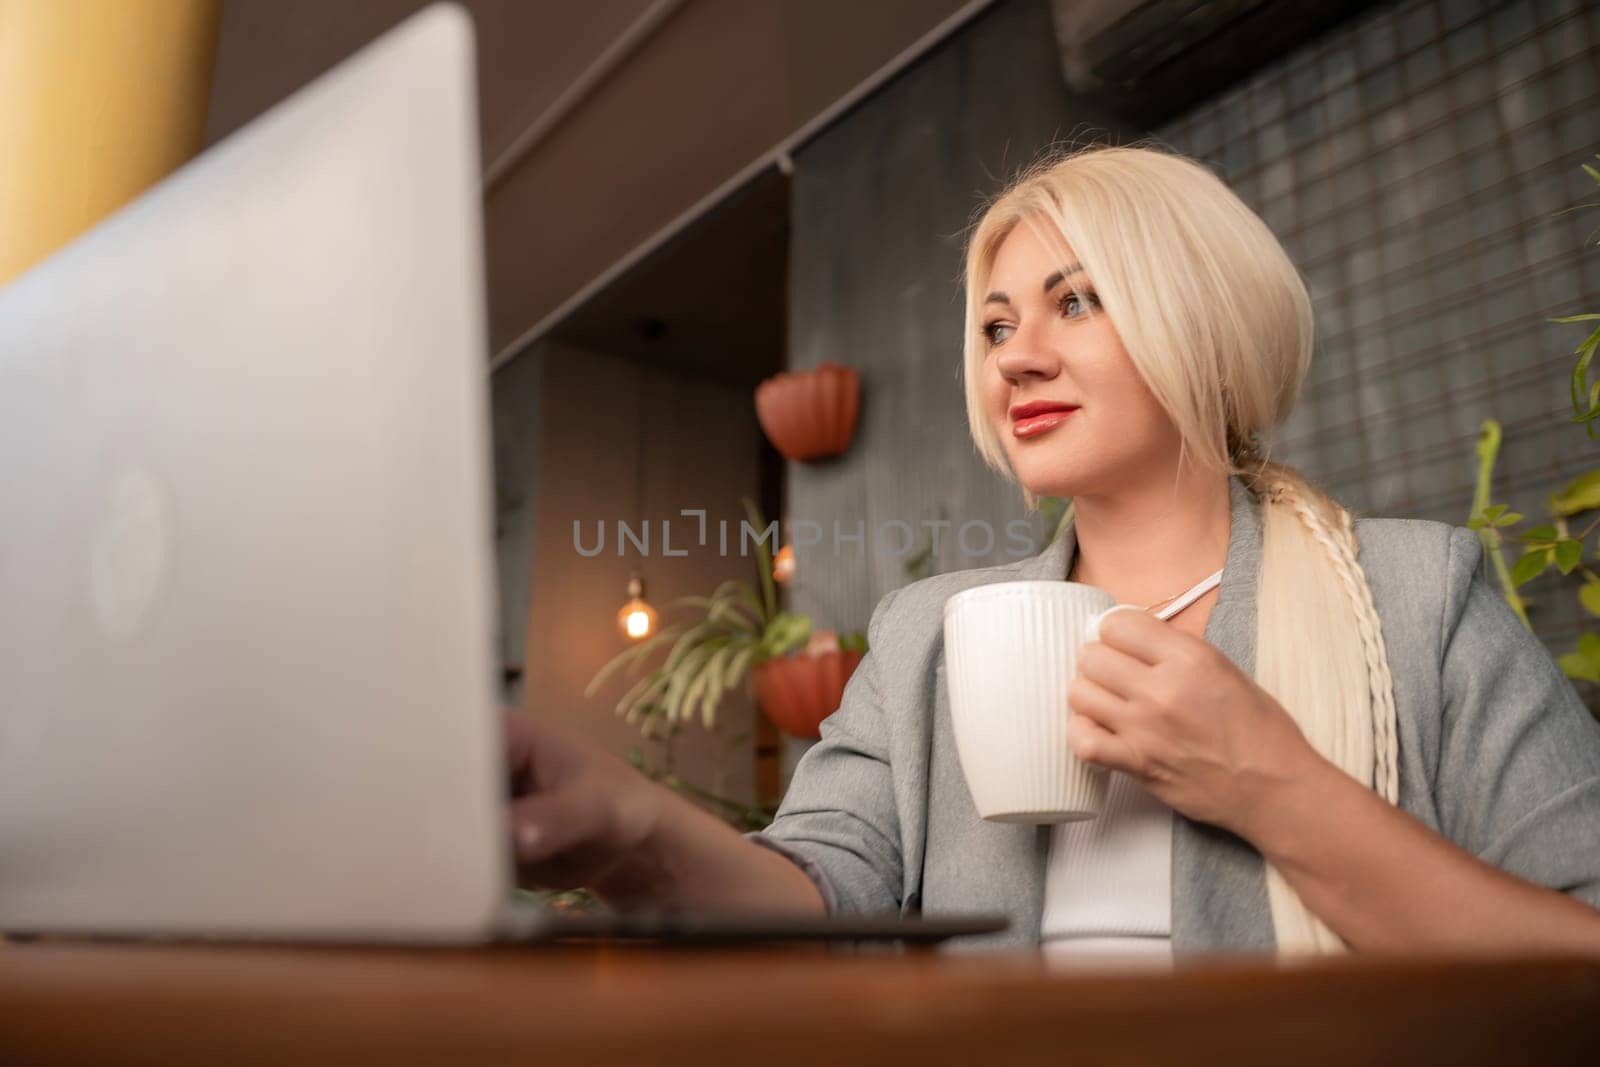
[684, 198]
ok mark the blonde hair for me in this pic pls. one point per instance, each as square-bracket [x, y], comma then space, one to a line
[1218, 323]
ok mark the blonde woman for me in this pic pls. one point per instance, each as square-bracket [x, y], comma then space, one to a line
[1336, 735]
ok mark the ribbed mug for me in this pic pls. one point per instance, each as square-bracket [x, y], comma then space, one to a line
[1011, 650]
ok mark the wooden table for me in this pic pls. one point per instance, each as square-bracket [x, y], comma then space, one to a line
[87, 1003]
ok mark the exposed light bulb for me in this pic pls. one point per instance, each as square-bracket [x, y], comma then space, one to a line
[636, 619]
[638, 623]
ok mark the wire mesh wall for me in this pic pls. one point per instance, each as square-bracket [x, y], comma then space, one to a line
[1418, 164]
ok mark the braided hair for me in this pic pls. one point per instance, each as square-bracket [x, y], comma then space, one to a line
[1360, 736]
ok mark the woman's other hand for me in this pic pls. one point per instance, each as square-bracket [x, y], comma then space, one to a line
[581, 817]
[1177, 714]
[576, 810]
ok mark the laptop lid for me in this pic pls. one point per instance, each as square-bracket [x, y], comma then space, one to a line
[246, 608]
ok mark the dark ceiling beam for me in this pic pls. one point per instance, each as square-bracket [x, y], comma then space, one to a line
[618, 52]
[800, 122]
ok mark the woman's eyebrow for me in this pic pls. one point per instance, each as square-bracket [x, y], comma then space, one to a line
[998, 297]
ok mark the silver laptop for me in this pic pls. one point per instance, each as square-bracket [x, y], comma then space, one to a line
[247, 686]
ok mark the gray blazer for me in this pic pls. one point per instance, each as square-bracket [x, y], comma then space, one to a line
[1497, 751]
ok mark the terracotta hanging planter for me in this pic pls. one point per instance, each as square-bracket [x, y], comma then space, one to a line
[810, 414]
[797, 692]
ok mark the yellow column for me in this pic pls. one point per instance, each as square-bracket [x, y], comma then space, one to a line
[99, 100]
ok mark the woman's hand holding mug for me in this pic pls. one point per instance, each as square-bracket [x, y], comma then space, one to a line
[1178, 715]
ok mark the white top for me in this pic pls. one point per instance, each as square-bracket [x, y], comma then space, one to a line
[1108, 883]
[1108, 880]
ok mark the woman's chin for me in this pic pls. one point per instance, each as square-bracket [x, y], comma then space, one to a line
[1050, 485]
[1044, 475]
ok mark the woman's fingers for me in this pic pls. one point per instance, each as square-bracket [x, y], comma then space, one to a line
[1087, 696]
[1093, 743]
[1097, 715]
[1144, 637]
[546, 825]
[1111, 669]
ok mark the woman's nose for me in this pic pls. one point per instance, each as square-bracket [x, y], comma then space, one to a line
[1021, 359]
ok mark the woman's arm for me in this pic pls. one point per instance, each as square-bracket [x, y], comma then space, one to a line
[839, 820]
[582, 817]
[1385, 882]
[1515, 780]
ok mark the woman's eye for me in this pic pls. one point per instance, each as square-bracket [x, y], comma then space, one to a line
[1074, 305]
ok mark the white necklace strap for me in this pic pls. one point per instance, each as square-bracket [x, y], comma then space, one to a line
[1204, 586]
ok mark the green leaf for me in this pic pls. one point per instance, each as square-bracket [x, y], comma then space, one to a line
[703, 680]
[1585, 662]
[1493, 512]
[1476, 523]
[1579, 667]
[1541, 534]
[1510, 518]
[1589, 597]
[1568, 554]
[730, 612]
[682, 676]
[1488, 446]
[1582, 494]
[1580, 370]
[853, 642]
[630, 658]
[641, 693]
[741, 592]
[1530, 566]
[785, 633]
[716, 684]
[769, 592]
[685, 645]
[739, 664]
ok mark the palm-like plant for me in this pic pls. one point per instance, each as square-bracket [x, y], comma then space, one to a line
[710, 655]
[1553, 543]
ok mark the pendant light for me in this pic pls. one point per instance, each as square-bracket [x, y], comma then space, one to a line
[636, 618]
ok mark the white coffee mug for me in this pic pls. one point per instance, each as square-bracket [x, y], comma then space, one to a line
[1011, 650]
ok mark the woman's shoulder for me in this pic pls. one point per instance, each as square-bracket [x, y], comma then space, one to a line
[1391, 542]
[1419, 559]
[1419, 572]
[1501, 752]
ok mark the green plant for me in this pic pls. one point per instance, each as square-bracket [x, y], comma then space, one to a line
[1586, 394]
[707, 655]
[1552, 543]
[1543, 546]
[710, 655]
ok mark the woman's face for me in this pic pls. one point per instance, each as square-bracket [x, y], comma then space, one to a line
[1072, 413]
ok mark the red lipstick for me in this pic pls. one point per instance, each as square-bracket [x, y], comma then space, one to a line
[1038, 417]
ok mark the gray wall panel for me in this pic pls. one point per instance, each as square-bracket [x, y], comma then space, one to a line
[1420, 165]
[881, 203]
